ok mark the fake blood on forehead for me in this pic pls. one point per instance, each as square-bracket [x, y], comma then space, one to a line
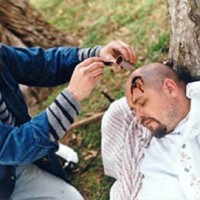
[136, 84]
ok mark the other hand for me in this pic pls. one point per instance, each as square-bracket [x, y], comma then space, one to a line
[115, 48]
[85, 77]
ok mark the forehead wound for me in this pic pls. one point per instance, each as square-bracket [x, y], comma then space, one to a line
[137, 82]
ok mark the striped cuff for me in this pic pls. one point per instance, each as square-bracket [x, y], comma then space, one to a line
[84, 53]
[61, 114]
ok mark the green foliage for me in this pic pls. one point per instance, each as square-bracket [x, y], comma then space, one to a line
[144, 25]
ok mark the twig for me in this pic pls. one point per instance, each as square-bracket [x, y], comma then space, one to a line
[89, 120]
[89, 164]
[107, 96]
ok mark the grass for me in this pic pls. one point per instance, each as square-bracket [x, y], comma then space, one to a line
[144, 25]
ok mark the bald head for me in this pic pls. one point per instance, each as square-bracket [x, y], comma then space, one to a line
[152, 76]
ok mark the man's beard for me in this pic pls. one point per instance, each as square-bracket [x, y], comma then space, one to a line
[160, 131]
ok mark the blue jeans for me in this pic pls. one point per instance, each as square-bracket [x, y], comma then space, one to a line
[34, 183]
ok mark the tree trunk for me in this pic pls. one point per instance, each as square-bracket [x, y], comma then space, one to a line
[22, 25]
[185, 34]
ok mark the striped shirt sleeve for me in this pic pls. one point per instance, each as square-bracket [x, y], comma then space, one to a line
[61, 114]
[84, 53]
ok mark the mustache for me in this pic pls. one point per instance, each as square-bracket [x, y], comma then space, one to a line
[144, 119]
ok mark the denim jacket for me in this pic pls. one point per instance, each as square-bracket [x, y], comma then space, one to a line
[28, 142]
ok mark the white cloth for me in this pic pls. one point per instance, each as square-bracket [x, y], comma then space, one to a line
[171, 164]
[123, 143]
[67, 153]
[188, 162]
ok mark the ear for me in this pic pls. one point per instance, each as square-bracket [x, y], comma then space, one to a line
[170, 87]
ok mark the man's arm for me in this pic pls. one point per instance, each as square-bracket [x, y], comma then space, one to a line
[38, 67]
[37, 137]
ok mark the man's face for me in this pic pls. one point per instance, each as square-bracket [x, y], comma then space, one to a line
[153, 108]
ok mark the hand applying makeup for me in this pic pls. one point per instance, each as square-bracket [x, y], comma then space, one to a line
[118, 52]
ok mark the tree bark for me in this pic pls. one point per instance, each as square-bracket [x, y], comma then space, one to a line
[22, 25]
[185, 34]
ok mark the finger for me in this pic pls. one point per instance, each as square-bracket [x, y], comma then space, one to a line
[129, 53]
[94, 73]
[89, 61]
[110, 58]
[97, 73]
[124, 50]
[133, 55]
[120, 49]
[111, 51]
[98, 77]
[94, 66]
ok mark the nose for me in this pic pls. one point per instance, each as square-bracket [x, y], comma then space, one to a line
[139, 113]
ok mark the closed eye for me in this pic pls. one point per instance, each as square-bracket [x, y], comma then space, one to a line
[132, 109]
[140, 103]
[143, 103]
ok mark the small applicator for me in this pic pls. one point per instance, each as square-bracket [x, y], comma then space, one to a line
[121, 62]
